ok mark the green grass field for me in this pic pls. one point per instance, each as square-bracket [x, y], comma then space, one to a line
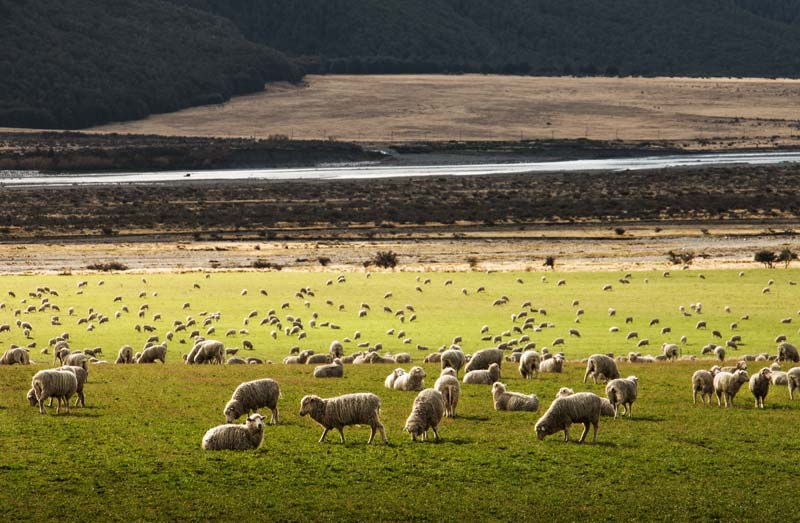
[134, 452]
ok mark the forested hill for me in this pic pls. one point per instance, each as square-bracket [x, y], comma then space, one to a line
[640, 37]
[75, 63]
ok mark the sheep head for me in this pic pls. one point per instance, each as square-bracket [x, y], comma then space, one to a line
[309, 403]
[233, 410]
[255, 420]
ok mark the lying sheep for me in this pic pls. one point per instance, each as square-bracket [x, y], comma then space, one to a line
[389, 381]
[426, 413]
[702, 382]
[153, 354]
[483, 358]
[529, 364]
[450, 388]
[434, 357]
[554, 364]
[759, 385]
[16, 356]
[316, 359]
[583, 407]
[125, 355]
[513, 401]
[55, 383]
[728, 384]
[412, 380]
[236, 360]
[483, 376]
[600, 367]
[793, 380]
[246, 436]
[251, 396]
[623, 392]
[779, 377]
[332, 370]
[340, 411]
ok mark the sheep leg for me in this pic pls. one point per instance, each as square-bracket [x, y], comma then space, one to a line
[566, 433]
[585, 376]
[274, 419]
[694, 398]
[586, 426]
[41, 404]
[383, 432]
[594, 436]
[616, 410]
[341, 434]
[436, 435]
[719, 399]
[324, 433]
[66, 403]
[50, 403]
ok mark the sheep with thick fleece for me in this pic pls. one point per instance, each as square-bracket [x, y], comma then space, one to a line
[450, 388]
[336, 349]
[483, 376]
[247, 436]
[671, 351]
[56, 383]
[606, 408]
[426, 413]
[728, 384]
[76, 359]
[788, 352]
[793, 380]
[412, 380]
[331, 370]
[759, 385]
[125, 355]
[389, 381]
[529, 364]
[601, 367]
[361, 408]
[251, 396]
[153, 354]
[82, 375]
[582, 407]
[483, 358]
[554, 364]
[16, 356]
[515, 401]
[702, 382]
[623, 392]
[207, 351]
[454, 359]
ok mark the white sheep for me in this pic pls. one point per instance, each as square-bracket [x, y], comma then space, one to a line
[153, 354]
[332, 370]
[125, 355]
[247, 436]
[728, 384]
[600, 367]
[16, 356]
[793, 380]
[623, 392]
[582, 407]
[389, 381]
[702, 382]
[412, 380]
[759, 385]
[450, 388]
[349, 409]
[426, 413]
[251, 396]
[513, 401]
[453, 358]
[554, 364]
[483, 376]
[56, 383]
[483, 358]
[529, 364]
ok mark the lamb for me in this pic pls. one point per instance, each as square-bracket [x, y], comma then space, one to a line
[529, 364]
[602, 367]
[426, 413]
[728, 384]
[332, 370]
[514, 401]
[246, 436]
[452, 358]
[56, 383]
[623, 392]
[554, 364]
[583, 407]
[793, 380]
[483, 358]
[450, 388]
[207, 351]
[153, 354]
[483, 376]
[413, 380]
[349, 409]
[788, 352]
[702, 382]
[671, 351]
[125, 355]
[759, 385]
[16, 356]
[251, 396]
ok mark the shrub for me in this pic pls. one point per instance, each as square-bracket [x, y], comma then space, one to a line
[765, 257]
[107, 266]
[550, 261]
[682, 257]
[324, 261]
[473, 262]
[264, 264]
[385, 259]
[619, 231]
[786, 256]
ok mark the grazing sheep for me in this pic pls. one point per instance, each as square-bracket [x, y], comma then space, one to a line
[207, 351]
[529, 364]
[452, 358]
[332, 370]
[450, 388]
[702, 382]
[600, 367]
[504, 400]
[16, 356]
[413, 380]
[82, 375]
[434, 357]
[251, 396]
[76, 359]
[623, 392]
[389, 381]
[583, 407]
[728, 384]
[759, 385]
[483, 376]
[483, 358]
[671, 351]
[554, 364]
[246, 436]
[236, 361]
[152, 354]
[426, 413]
[55, 383]
[719, 352]
[336, 349]
[788, 352]
[340, 411]
[793, 380]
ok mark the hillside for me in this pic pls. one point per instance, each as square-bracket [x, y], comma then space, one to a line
[80, 63]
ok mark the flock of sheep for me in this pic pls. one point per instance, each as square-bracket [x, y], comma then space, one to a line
[431, 405]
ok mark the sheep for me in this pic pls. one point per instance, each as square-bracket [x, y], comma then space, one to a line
[719, 352]
[793, 380]
[600, 366]
[671, 351]
[702, 382]
[207, 351]
[452, 358]
[247, 436]
[336, 349]
[403, 357]
[389, 381]
[75, 359]
[759, 385]
[349, 409]
[332, 370]
[251, 396]
[82, 375]
[740, 365]
[788, 352]
[56, 383]
[513, 401]
[728, 384]
[413, 380]
[623, 392]
[529, 364]
[316, 359]
[434, 357]
[426, 413]
[554, 364]
[153, 354]
[780, 378]
[483, 376]
[236, 361]
[16, 356]
[125, 355]
[483, 358]
[582, 407]
[450, 388]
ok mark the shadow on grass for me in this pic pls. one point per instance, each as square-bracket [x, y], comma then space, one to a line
[472, 418]
[644, 419]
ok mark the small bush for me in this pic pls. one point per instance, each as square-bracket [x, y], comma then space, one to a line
[786, 256]
[682, 257]
[385, 259]
[765, 257]
[550, 261]
[473, 262]
[619, 231]
[107, 266]
[324, 261]
[264, 264]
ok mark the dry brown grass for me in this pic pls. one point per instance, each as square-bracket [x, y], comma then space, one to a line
[743, 112]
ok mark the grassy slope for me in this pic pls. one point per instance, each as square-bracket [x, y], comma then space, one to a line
[134, 452]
